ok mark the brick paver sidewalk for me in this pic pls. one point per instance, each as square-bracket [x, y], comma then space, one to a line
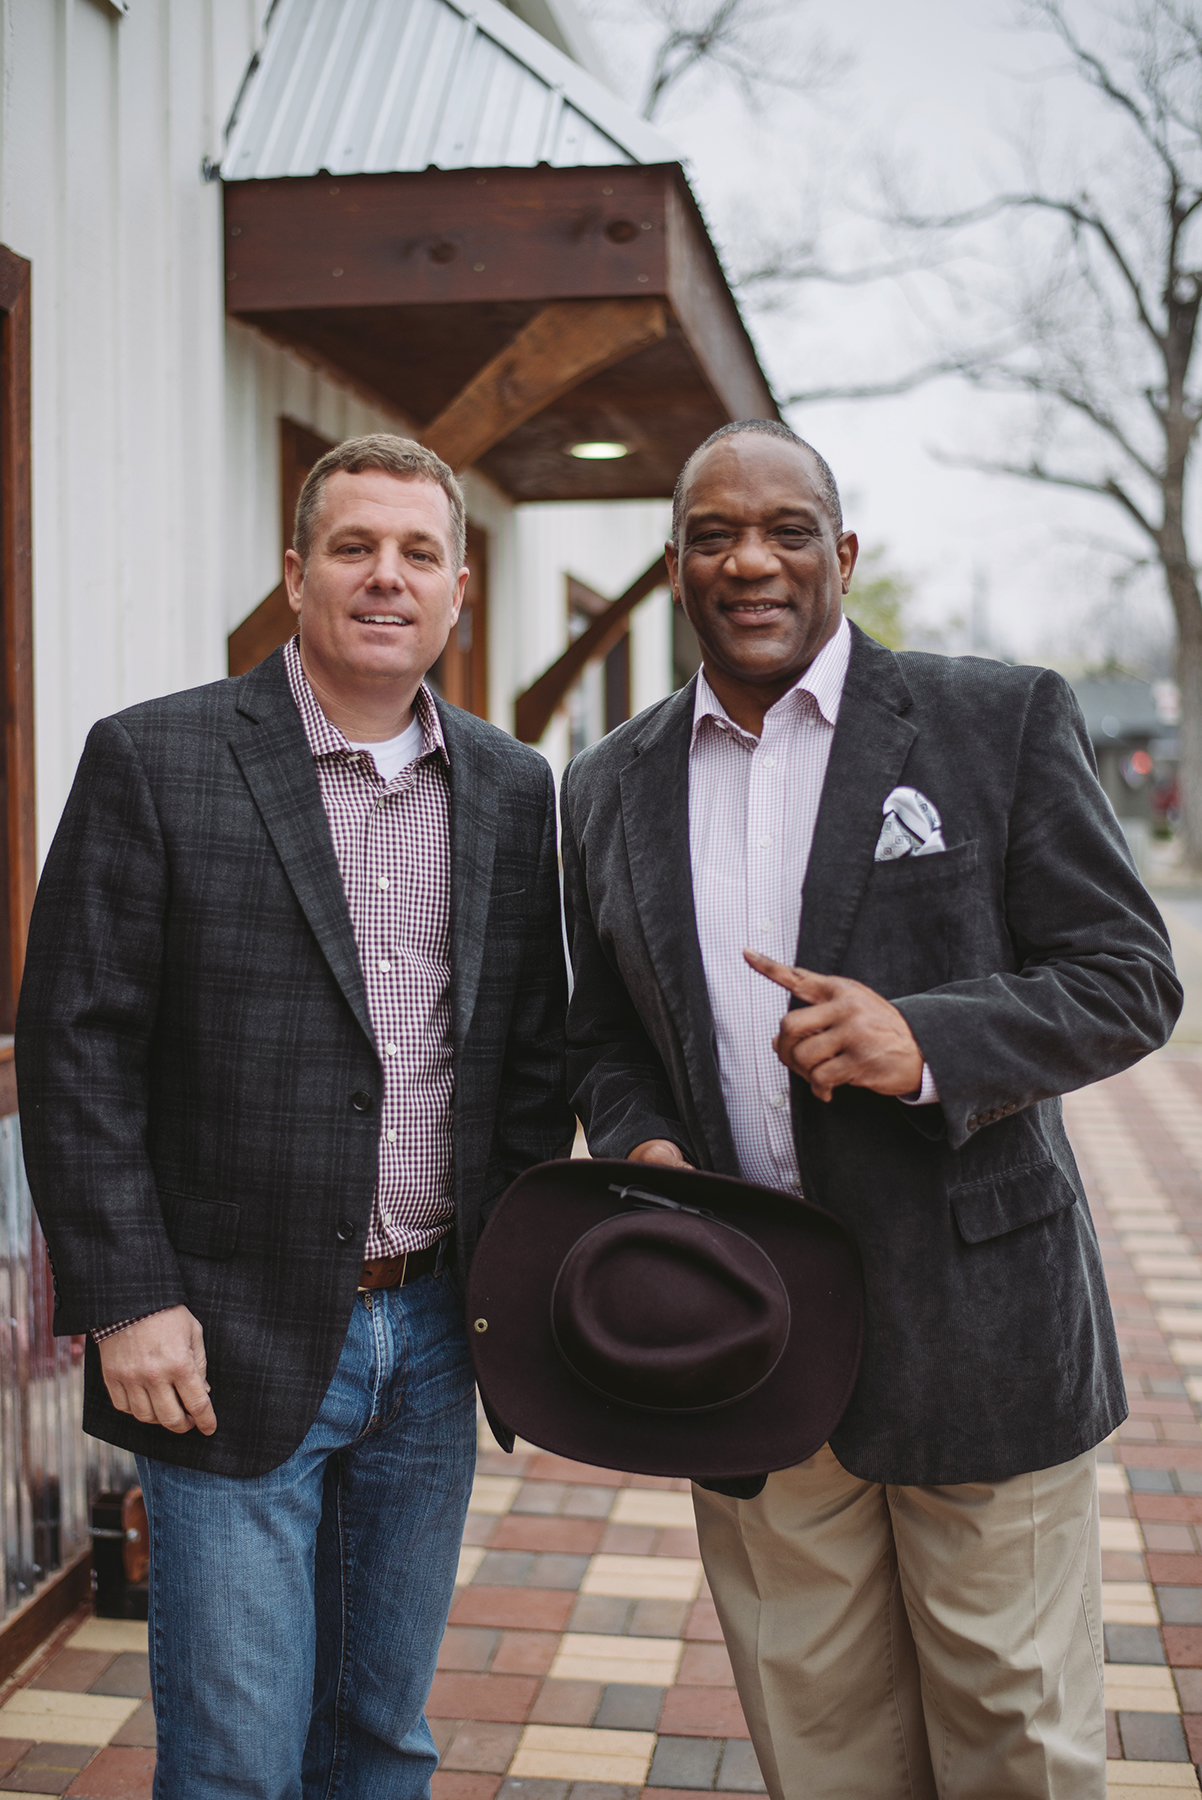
[583, 1659]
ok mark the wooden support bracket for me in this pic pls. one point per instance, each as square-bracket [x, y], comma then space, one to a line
[561, 346]
[532, 710]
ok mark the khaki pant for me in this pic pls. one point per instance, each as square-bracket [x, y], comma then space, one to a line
[903, 1643]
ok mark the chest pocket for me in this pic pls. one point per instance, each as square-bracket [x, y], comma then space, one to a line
[914, 921]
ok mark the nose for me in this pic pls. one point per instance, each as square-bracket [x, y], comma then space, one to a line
[388, 571]
[751, 557]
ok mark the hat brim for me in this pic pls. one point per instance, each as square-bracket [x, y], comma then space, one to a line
[531, 1388]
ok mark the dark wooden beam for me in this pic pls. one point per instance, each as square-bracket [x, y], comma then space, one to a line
[445, 235]
[16, 625]
[563, 345]
[534, 709]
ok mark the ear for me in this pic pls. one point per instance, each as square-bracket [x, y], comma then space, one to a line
[461, 581]
[673, 562]
[847, 549]
[294, 580]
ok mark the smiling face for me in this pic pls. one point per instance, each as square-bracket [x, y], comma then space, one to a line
[378, 596]
[759, 569]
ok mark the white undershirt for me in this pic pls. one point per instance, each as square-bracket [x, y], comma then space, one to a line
[394, 754]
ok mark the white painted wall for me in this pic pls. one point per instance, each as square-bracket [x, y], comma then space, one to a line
[104, 123]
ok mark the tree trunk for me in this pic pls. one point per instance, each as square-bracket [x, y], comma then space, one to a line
[1187, 607]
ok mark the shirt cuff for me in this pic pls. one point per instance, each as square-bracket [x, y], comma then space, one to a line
[100, 1332]
[927, 1092]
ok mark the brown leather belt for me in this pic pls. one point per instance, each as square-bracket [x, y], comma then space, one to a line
[397, 1271]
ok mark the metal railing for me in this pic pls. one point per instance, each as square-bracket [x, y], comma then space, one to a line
[49, 1469]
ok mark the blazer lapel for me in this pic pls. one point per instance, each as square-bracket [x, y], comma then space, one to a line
[473, 845]
[655, 816]
[272, 751]
[871, 742]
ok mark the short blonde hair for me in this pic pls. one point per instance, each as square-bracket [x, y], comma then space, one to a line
[402, 457]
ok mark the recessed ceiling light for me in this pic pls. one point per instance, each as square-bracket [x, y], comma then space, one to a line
[599, 452]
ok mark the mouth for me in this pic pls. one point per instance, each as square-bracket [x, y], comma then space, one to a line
[379, 619]
[755, 612]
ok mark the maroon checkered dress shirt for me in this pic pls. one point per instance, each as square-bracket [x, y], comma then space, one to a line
[393, 844]
[392, 840]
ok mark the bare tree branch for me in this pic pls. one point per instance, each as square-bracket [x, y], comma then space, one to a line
[1109, 488]
[877, 390]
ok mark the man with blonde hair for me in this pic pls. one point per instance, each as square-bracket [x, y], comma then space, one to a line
[271, 1085]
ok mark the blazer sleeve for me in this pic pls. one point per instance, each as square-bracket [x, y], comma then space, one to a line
[1095, 987]
[534, 1122]
[616, 1080]
[85, 1039]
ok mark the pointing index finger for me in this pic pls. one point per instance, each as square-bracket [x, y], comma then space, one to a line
[801, 982]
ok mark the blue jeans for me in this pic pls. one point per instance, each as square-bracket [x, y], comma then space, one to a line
[295, 1617]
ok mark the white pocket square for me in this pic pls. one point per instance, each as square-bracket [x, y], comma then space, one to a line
[912, 826]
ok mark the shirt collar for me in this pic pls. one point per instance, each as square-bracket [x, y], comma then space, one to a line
[823, 681]
[325, 739]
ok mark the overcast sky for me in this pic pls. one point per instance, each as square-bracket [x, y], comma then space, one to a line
[941, 88]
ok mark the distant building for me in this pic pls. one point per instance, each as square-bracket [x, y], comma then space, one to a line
[1132, 727]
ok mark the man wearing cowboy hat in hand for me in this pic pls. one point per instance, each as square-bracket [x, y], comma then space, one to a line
[916, 854]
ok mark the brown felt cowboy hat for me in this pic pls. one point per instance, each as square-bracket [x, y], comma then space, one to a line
[664, 1321]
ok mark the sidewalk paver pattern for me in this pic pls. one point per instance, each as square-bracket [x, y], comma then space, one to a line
[583, 1659]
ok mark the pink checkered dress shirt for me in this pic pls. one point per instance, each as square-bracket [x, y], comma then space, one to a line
[393, 844]
[753, 804]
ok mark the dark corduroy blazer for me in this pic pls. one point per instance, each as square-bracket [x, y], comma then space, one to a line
[199, 1082]
[1028, 960]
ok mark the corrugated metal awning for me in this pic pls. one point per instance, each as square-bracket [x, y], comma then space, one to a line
[354, 87]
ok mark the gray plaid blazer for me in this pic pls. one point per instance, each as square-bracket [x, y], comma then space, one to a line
[199, 1083]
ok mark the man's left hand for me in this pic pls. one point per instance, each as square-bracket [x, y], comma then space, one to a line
[844, 1036]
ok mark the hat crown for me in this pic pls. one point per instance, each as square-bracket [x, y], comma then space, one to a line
[669, 1312]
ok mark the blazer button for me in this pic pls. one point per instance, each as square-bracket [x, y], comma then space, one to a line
[345, 1231]
[361, 1102]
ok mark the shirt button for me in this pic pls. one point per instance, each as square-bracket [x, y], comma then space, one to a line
[765, 842]
[383, 966]
[344, 1231]
[765, 925]
[769, 762]
[391, 1136]
[361, 1102]
[778, 1100]
[391, 1050]
[383, 883]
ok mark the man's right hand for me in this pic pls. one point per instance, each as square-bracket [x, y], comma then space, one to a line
[661, 1151]
[155, 1369]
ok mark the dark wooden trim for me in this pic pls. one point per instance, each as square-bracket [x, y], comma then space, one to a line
[707, 312]
[461, 672]
[271, 624]
[16, 628]
[273, 621]
[58, 1598]
[533, 710]
[300, 448]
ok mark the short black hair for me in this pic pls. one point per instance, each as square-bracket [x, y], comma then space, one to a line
[828, 487]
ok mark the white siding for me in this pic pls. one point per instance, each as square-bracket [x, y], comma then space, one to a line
[104, 124]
